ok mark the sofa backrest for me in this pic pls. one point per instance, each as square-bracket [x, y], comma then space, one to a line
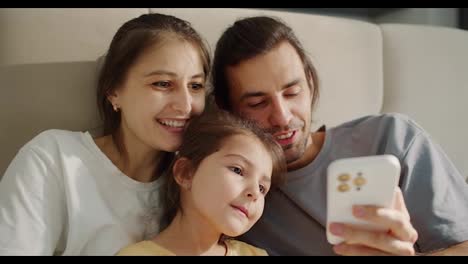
[48, 64]
[46, 35]
[426, 77]
[48, 69]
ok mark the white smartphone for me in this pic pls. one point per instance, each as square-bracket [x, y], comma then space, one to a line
[369, 180]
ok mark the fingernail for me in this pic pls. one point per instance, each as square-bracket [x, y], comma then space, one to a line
[359, 211]
[337, 229]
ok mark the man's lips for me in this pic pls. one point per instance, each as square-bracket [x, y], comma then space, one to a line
[284, 134]
[242, 209]
[285, 138]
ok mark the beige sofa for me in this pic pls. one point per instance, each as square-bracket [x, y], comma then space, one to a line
[48, 69]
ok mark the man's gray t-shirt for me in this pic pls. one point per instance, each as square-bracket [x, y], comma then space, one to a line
[435, 193]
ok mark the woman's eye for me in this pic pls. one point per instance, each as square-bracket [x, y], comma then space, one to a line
[262, 189]
[236, 170]
[162, 84]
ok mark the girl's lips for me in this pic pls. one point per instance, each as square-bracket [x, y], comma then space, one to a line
[242, 210]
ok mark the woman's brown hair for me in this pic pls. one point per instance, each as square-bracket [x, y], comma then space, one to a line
[129, 43]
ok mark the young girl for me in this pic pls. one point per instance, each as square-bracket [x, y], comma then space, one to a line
[223, 171]
[67, 193]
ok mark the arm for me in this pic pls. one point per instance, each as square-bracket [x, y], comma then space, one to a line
[435, 195]
[457, 250]
[31, 206]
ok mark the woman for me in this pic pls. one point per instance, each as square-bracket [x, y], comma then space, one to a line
[67, 193]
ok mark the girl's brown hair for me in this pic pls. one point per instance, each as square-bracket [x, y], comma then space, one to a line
[204, 136]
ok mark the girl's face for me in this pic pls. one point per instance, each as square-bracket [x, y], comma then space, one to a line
[163, 89]
[228, 189]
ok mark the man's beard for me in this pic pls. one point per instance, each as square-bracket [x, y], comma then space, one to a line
[299, 145]
[294, 124]
[300, 148]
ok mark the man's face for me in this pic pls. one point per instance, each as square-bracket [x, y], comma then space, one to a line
[273, 90]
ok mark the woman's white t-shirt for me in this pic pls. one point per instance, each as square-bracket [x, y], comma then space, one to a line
[62, 196]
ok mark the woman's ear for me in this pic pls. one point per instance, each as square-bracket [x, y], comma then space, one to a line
[183, 172]
[113, 98]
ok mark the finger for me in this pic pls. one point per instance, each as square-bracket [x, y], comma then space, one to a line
[373, 239]
[395, 221]
[357, 250]
[399, 203]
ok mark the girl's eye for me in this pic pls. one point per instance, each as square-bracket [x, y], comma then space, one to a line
[262, 189]
[236, 170]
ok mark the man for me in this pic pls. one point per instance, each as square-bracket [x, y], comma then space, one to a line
[261, 72]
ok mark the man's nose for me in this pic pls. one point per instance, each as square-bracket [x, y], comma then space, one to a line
[280, 115]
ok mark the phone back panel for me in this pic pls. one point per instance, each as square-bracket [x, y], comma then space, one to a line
[367, 180]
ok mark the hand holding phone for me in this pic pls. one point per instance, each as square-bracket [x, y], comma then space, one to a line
[369, 180]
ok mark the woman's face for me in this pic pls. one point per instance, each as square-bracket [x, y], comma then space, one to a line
[163, 89]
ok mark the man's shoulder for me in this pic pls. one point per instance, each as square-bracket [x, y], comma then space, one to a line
[376, 134]
[383, 124]
[379, 120]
